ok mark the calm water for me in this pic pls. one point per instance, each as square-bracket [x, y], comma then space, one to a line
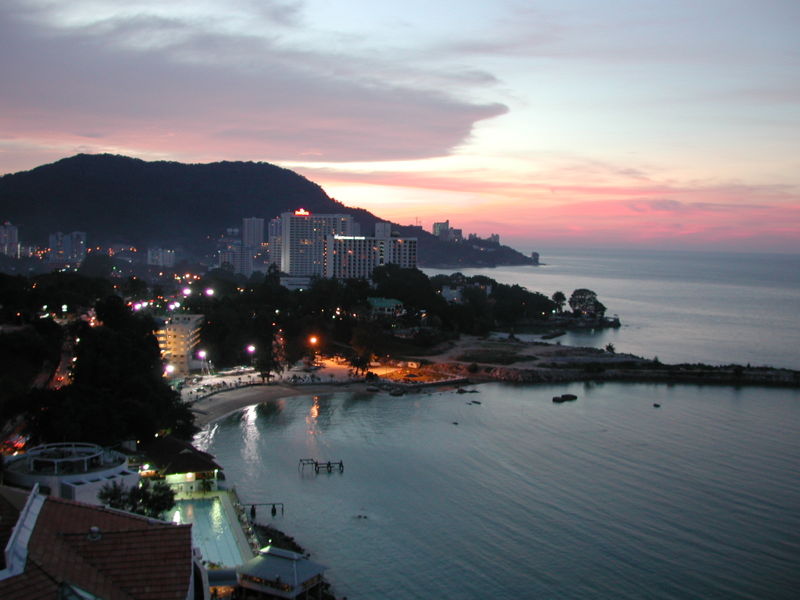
[606, 497]
[680, 306]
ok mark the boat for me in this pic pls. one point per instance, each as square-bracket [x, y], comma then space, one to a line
[564, 398]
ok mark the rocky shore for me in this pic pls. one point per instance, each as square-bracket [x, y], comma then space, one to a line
[701, 374]
[537, 362]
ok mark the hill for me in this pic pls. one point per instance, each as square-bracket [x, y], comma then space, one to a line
[122, 199]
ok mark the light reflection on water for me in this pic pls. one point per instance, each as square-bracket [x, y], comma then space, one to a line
[603, 497]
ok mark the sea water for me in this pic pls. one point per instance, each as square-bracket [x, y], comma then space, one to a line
[692, 307]
[517, 497]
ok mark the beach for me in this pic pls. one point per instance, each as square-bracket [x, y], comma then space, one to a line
[493, 359]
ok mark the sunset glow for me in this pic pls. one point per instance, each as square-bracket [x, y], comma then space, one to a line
[623, 123]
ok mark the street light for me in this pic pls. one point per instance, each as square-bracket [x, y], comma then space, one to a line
[202, 355]
[251, 350]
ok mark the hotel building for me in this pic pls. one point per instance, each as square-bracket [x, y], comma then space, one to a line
[177, 339]
[302, 240]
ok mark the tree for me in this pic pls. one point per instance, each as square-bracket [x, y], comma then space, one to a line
[267, 361]
[584, 302]
[560, 300]
[143, 499]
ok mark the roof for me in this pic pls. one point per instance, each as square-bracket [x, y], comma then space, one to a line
[9, 513]
[376, 302]
[171, 455]
[273, 563]
[127, 557]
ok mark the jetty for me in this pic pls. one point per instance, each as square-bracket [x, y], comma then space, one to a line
[326, 465]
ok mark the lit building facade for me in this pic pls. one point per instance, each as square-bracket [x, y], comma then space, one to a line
[67, 247]
[177, 340]
[303, 240]
[355, 257]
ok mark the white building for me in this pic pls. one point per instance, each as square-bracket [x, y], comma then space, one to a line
[177, 339]
[355, 257]
[74, 471]
[303, 240]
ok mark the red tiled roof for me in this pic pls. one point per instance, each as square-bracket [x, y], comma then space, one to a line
[132, 558]
[8, 518]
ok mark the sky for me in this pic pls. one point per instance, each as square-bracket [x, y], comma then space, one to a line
[555, 123]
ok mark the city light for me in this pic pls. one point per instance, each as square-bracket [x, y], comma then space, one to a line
[251, 348]
[209, 292]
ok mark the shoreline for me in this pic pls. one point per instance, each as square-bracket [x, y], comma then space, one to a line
[514, 362]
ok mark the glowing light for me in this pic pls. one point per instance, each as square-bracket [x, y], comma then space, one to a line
[209, 292]
[187, 291]
[202, 355]
[170, 369]
[302, 212]
[313, 340]
[251, 348]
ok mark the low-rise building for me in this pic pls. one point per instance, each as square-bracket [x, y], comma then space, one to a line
[58, 548]
[276, 573]
[185, 469]
[75, 471]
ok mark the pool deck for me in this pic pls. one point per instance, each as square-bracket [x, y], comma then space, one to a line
[235, 522]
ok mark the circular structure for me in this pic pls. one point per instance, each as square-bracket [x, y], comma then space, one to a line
[69, 470]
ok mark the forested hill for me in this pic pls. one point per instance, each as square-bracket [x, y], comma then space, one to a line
[122, 199]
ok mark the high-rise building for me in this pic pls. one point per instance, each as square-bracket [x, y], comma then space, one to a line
[161, 257]
[177, 339]
[355, 257]
[303, 240]
[238, 257]
[67, 247]
[9, 240]
[274, 242]
[441, 229]
[252, 232]
[383, 230]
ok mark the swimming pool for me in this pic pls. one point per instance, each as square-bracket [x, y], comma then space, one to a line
[213, 530]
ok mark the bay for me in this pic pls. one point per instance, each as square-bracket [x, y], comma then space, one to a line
[605, 497]
[517, 497]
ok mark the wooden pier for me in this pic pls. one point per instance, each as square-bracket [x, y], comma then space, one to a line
[325, 465]
[273, 510]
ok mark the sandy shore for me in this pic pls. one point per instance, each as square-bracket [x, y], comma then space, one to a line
[221, 404]
[483, 359]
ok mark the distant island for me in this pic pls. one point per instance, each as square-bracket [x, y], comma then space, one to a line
[121, 200]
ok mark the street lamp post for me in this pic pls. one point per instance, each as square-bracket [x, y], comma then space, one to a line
[251, 350]
[202, 355]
